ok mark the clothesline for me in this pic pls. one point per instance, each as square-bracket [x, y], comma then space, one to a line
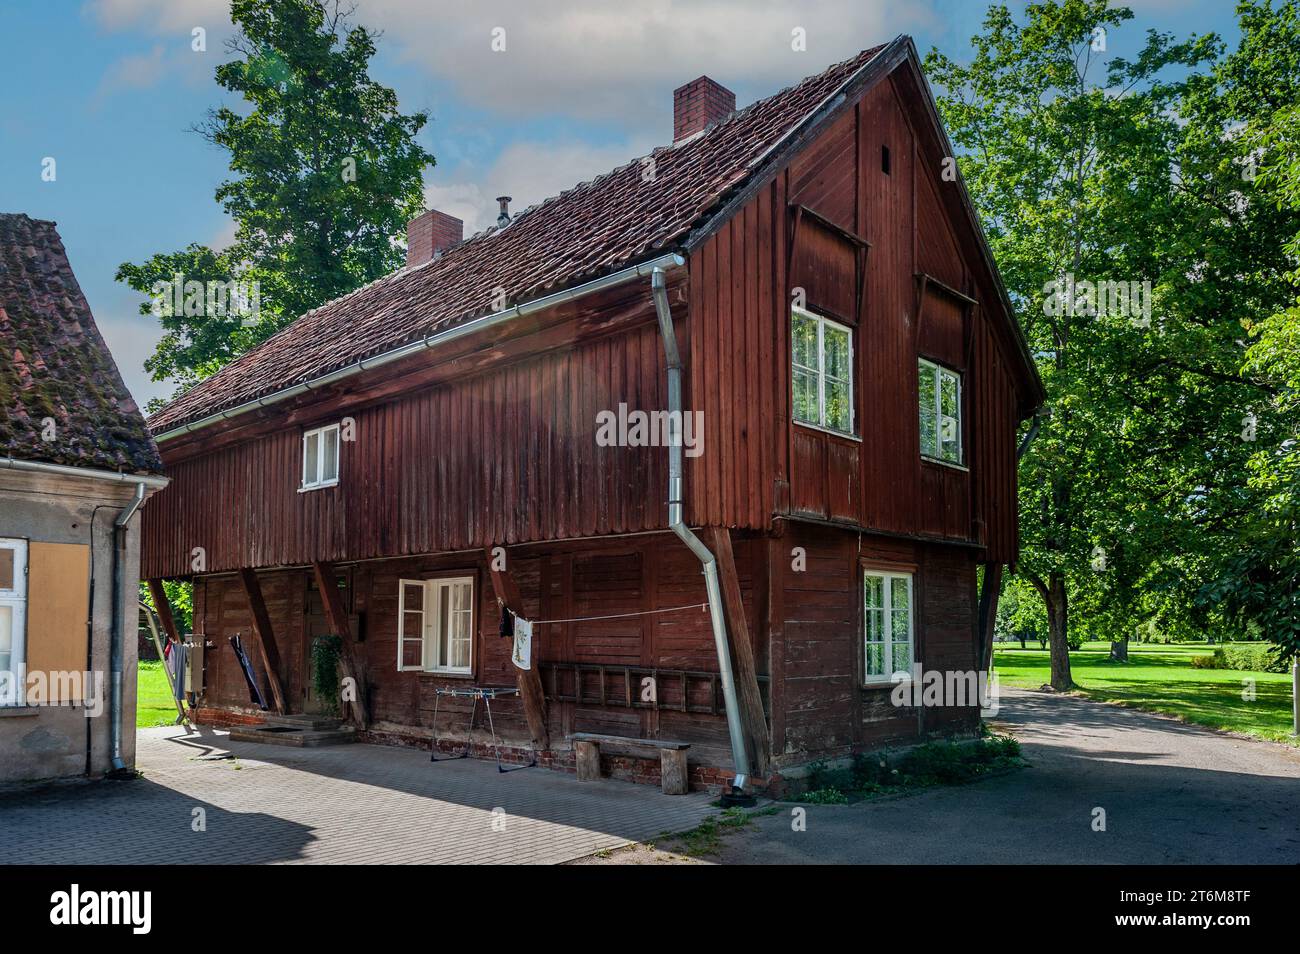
[583, 619]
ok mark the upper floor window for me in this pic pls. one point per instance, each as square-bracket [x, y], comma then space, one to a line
[821, 359]
[940, 394]
[320, 457]
[435, 625]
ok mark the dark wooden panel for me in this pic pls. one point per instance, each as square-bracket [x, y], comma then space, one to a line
[942, 335]
[824, 265]
[823, 176]
[808, 491]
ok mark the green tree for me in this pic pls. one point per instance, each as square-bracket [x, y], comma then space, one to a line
[1103, 168]
[327, 171]
[1258, 582]
[1069, 155]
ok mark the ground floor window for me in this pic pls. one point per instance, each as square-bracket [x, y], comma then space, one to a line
[435, 628]
[887, 624]
[13, 618]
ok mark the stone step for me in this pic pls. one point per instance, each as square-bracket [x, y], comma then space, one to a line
[293, 735]
[302, 720]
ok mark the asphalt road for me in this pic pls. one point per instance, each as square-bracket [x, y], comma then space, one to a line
[1172, 794]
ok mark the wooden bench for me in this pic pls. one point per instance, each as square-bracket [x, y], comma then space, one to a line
[672, 757]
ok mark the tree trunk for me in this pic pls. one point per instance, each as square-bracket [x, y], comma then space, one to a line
[1119, 650]
[1057, 627]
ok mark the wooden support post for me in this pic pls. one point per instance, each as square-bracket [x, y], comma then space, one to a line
[265, 637]
[164, 610]
[327, 584]
[528, 680]
[587, 761]
[673, 777]
[988, 612]
[742, 651]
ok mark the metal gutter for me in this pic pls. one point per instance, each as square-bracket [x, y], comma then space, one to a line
[88, 473]
[116, 638]
[676, 523]
[671, 260]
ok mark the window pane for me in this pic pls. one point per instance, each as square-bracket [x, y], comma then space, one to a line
[330, 459]
[413, 599]
[835, 342]
[805, 397]
[950, 418]
[804, 335]
[902, 658]
[875, 622]
[6, 568]
[898, 625]
[411, 650]
[875, 659]
[6, 633]
[898, 599]
[310, 459]
[838, 410]
[929, 417]
[874, 591]
[444, 628]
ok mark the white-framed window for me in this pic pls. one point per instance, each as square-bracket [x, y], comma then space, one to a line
[887, 625]
[320, 457]
[435, 624]
[940, 395]
[821, 358]
[13, 619]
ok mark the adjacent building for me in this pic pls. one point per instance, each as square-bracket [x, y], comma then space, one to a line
[76, 464]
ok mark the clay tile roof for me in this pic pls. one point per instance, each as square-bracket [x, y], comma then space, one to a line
[54, 364]
[614, 221]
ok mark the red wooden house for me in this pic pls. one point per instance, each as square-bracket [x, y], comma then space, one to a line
[428, 448]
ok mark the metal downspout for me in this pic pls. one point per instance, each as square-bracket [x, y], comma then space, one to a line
[659, 291]
[116, 637]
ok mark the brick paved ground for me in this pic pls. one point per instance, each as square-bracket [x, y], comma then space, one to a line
[352, 804]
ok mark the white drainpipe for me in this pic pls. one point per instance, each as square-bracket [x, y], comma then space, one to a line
[116, 637]
[659, 290]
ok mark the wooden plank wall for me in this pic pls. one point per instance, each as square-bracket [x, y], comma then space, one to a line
[506, 456]
[740, 338]
[601, 578]
[820, 707]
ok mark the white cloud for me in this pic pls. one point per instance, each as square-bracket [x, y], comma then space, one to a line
[139, 71]
[583, 59]
[620, 62]
[528, 172]
[162, 16]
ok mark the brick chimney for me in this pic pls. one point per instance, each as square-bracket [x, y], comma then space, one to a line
[698, 104]
[430, 233]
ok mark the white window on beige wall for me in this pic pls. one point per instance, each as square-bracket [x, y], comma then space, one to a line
[435, 628]
[13, 619]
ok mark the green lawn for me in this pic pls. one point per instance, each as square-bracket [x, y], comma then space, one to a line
[153, 700]
[1160, 678]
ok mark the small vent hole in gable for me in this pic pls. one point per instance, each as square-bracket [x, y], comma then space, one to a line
[884, 159]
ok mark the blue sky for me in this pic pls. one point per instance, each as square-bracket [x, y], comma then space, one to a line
[110, 88]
